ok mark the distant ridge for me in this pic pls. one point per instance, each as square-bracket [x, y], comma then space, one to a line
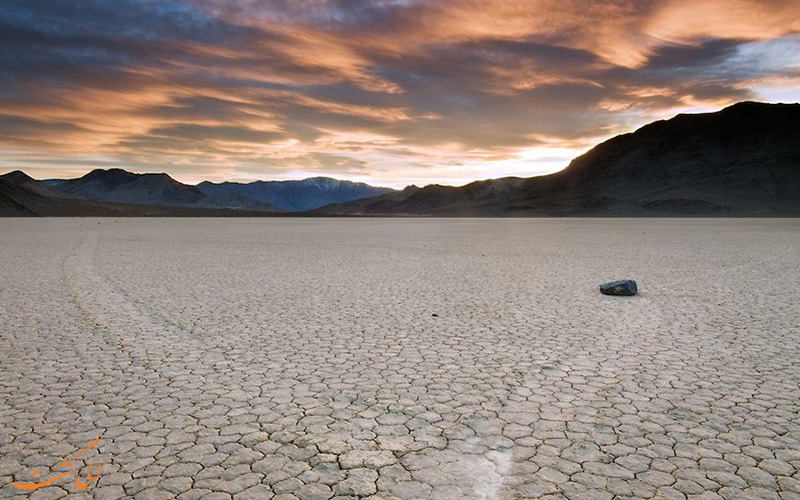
[118, 192]
[20, 202]
[21, 179]
[297, 196]
[743, 160]
[121, 186]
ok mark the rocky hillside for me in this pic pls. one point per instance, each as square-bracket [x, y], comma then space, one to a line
[743, 160]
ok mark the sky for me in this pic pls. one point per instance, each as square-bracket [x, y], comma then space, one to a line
[390, 92]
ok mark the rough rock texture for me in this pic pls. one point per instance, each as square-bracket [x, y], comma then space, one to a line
[622, 287]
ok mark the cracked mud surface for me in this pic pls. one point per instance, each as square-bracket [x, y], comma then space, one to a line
[401, 359]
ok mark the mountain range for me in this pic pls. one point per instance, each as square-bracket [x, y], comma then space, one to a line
[119, 192]
[741, 161]
[120, 186]
[296, 196]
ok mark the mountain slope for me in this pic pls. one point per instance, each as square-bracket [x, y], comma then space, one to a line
[16, 201]
[120, 186]
[743, 160]
[297, 196]
[21, 179]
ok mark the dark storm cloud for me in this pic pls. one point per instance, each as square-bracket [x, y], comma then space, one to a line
[128, 19]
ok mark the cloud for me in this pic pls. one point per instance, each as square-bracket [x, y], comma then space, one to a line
[392, 90]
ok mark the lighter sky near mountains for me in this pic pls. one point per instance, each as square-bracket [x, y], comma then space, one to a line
[390, 92]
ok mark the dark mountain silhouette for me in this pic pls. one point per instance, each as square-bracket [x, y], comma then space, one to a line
[120, 186]
[25, 181]
[16, 201]
[119, 192]
[743, 160]
[297, 196]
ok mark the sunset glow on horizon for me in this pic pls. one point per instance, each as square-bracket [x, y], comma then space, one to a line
[389, 92]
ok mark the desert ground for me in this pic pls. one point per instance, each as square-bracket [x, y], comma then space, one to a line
[400, 358]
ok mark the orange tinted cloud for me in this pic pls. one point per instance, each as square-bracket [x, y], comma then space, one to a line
[397, 90]
[682, 21]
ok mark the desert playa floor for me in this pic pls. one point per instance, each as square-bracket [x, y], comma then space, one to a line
[400, 359]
